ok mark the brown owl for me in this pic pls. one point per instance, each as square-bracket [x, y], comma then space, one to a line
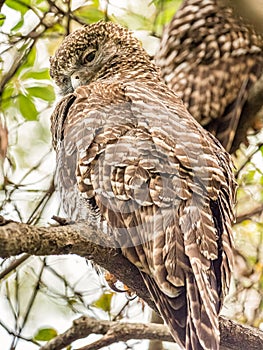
[212, 59]
[132, 159]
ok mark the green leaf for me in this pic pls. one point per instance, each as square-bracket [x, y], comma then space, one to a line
[2, 19]
[44, 92]
[104, 302]
[40, 75]
[250, 176]
[31, 57]
[18, 6]
[18, 25]
[56, 28]
[45, 334]
[6, 99]
[27, 107]
[8, 91]
[42, 5]
[89, 13]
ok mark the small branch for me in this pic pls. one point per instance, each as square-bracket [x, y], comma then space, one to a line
[1, 3]
[112, 331]
[13, 265]
[115, 331]
[87, 241]
[248, 159]
[248, 215]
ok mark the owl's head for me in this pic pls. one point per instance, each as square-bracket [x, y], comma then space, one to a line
[97, 51]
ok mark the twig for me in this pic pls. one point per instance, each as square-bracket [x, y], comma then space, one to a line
[13, 265]
[248, 159]
[248, 215]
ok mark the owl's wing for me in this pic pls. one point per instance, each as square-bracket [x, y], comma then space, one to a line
[162, 186]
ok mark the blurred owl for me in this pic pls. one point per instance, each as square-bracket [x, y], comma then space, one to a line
[212, 59]
[131, 159]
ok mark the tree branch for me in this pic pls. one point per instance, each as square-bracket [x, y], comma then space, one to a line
[249, 214]
[115, 331]
[112, 331]
[87, 241]
[82, 239]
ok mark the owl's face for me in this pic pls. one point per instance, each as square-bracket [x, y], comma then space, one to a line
[91, 53]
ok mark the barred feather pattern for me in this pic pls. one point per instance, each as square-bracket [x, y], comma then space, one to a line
[132, 159]
[212, 59]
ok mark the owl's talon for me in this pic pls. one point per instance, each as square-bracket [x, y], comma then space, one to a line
[112, 280]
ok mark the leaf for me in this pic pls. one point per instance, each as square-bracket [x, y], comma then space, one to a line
[45, 334]
[44, 92]
[8, 91]
[18, 25]
[250, 176]
[56, 28]
[2, 19]
[31, 57]
[6, 99]
[41, 74]
[104, 302]
[17, 5]
[42, 5]
[27, 107]
[89, 14]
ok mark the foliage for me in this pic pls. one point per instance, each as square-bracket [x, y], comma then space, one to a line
[45, 334]
[39, 294]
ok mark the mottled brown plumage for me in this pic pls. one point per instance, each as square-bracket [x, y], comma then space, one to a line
[132, 159]
[212, 59]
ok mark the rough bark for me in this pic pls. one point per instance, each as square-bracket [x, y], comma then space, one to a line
[86, 241]
[232, 334]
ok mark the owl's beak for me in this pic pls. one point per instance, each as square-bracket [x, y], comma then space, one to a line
[75, 80]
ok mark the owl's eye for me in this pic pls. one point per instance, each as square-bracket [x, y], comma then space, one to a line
[89, 57]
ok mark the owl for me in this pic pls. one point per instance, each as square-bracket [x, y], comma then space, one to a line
[132, 160]
[212, 59]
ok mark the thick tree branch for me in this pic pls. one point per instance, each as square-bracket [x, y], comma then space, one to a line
[82, 239]
[85, 240]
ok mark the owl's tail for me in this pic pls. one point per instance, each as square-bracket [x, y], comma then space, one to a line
[185, 315]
